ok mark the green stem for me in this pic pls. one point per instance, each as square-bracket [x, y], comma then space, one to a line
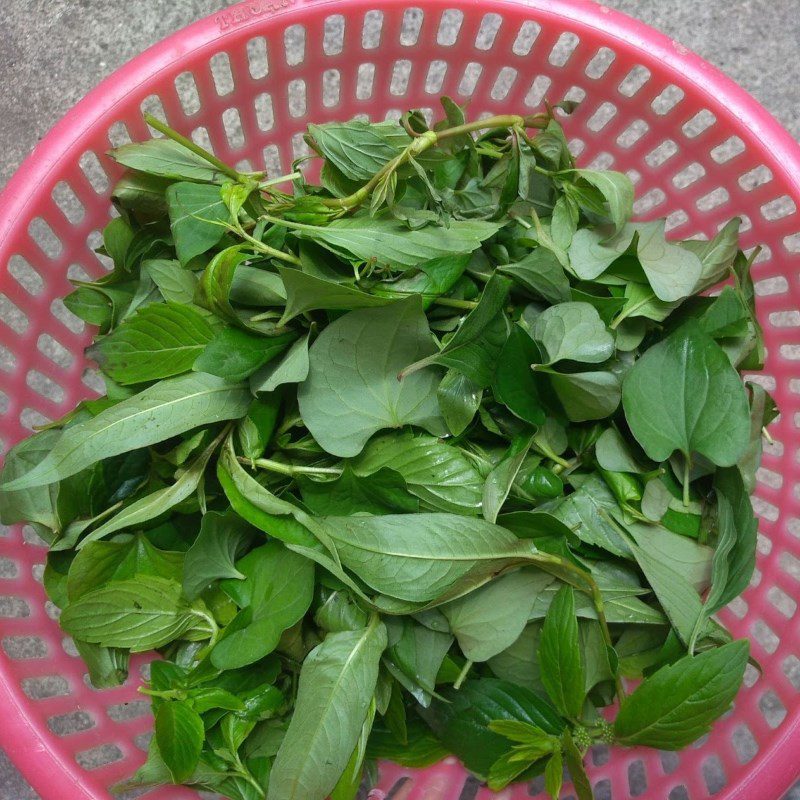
[266, 249]
[280, 179]
[462, 676]
[291, 469]
[212, 625]
[452, 302]
[766, 434]
[625, 313]
[687, 469]
[195, 148]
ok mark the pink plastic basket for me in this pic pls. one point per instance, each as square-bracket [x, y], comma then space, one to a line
[248, 80]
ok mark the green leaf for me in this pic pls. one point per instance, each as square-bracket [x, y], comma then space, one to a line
[574, 763]
[337, 682]
[390, 243]
[678, 704]
[474, 347]
[275, 595]
[257, 287]
[159, 502]
[439, 474]
[617, 191]
[514, 384]
[587, 395]
[352, 389]
[554, 775]
[683, 394]
[573, 332]
[617, 455]
[489, 620]
[212, 555]
[167, 409]
[415, 657]
[459, 400]
[142, 193]
[716, 255]
[161, 340]
[762, 412]
[518, 663]
[180, 736]
[140, 615]
[461, 719]
[379, 492]
[103, 563]
[421, 749]
[234, 354]
[292, 368]
[500, 480]
[641, 301]
[734, 558]
[359, 149]
[541, 273]
[167, 159]
[562, 671]
[505, 770]
[195, 213]
[37, 505]
[176, 284]
[306, 292]
[426, 557]
[107, 666]
[90, 305]
[433, 279]
[672, 271]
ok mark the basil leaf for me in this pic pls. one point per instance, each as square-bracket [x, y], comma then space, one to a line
[574, 332]
[561, 667]
[679, 703]
[275, 594]
[196, 212]
[337, 682]
[176, 284]
[235, 354]
[500, 480]
[212, 555]
[352, 389]
[672, 271]
[439, 474]
[359, 149]
[160, 341]
[684, 395]
[617, 191]
[392, 244]
[716, 255]
[167, 159]
[461, 719]
[139, 615]
[180, 735]
[167, 409]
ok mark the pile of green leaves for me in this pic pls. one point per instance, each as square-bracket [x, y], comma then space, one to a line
[424, 459]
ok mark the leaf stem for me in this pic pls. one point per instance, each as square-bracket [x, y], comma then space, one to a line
[291, 469]
[462, 676]
[280, 179]
[453, 302]
[626, 312]
[195, 148]
[266, 249]
[767, 435]
[687, 469]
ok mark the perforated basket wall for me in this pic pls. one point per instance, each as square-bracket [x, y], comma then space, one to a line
[246, 82]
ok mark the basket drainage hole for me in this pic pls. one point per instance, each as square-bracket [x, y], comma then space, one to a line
[68, 724]
[772, 709]
[100, 756]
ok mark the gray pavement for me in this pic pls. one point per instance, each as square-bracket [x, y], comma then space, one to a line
[54, 51]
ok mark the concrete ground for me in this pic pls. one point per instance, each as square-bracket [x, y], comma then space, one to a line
[54, 51]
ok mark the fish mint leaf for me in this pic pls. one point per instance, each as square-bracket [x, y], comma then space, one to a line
[165, 158]
[678, 704]
[352, 390]
[684, 395]
[573, 332]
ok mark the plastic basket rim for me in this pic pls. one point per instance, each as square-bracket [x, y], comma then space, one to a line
[21, 739]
